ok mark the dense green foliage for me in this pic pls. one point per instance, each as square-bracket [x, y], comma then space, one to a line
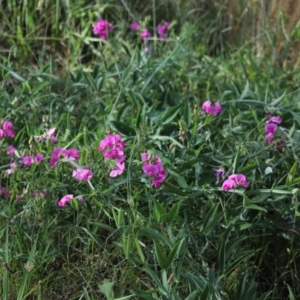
[188, 239]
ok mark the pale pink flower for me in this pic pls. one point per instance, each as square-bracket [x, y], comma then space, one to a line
[19, 197]
[12, 168]
[64, 200]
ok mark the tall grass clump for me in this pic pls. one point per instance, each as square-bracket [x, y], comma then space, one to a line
[151, 161]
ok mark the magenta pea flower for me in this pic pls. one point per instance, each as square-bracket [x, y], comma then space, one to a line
[39, 157]
[161, 30]
[152, 167]
[234, 181]
[101, 28]
[145, 34]
[113, 148]
[70, 154]
[269, 138]
[212, 108]
[274, 119]
[118, 169]
[10, 150]
[82, 174]
[134, 26]
[7, 129]
[12, 168]
[270, 128]
[64, 200]
[28, 160]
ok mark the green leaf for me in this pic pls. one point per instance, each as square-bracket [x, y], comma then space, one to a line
[161, 259]
[192, 295]
[74, 204]
[107, 289]
[172, 188]
[170, 114]
[173, 213]
[211, 219]
[172, 254]
[187, 113]
[123, 128]
[159, 212]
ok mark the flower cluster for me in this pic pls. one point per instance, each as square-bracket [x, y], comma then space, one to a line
[271, 128]
[162, 29]
[145, 34]
[152, 166]
[6, 129]
[70, 154]
[26, 160]
[212, 109]
[48, 135]
[113, 148]
[101, 28]
[234, 181]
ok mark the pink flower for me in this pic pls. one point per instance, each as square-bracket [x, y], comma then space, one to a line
[134, 26]
[112, 141]
[145, 34]
[274, 119]
[269, 138]
[64, 200]
[161, 30]
[240, 179]
[101, 28]
[153, 167]
[7, 129]
[10, 150]
[270, 128]
[118, 169]
[7, 125]
[48, 135]
[234, 181]
[39, 157]
[71, 154]
[82, 174]
[28, 160]
[229, 184]
[13, 166]
[211, 108]
[113, 146]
